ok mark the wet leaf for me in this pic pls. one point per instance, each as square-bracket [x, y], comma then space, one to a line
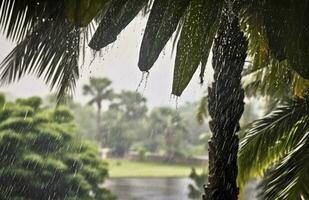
[162, 23]
[119, 14]
[195, 42]
[287, 33]
[82, 12]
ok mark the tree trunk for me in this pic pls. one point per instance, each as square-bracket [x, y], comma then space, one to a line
[169, 143]
[98, 131]
[225, 108]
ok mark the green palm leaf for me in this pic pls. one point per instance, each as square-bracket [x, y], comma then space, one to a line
[195, 41]
[162, 23]
[118, 15]
[274, 79]
[289, 179]
[271, 138]
[18, 17]
[53, 54]
[82, 12]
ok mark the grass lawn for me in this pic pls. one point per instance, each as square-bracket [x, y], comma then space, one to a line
[125, 168]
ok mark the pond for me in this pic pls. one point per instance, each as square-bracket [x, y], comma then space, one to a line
[160, 188]
[149, 188]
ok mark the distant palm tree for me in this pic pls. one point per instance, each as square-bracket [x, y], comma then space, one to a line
[168, 122]
[99, 89]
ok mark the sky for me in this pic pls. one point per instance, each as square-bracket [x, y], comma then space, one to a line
[118, 62]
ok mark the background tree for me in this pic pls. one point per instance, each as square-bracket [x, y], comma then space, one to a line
[124, 121]
[40, 157]
[83, 115]
[99, 90]
[167, 122]
[132, 104]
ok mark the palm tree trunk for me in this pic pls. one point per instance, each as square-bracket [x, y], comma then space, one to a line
[98, 133]
[225, 108]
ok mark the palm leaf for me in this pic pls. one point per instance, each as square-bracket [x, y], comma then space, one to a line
[191, 49]
[275, 80]
[269, 139]
[119, 14]
[270, 73]
[82, 12]
[289, 179]
[18, 17]
[162, 23]
[50, 49]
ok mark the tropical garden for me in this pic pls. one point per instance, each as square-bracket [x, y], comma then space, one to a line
[259, 50]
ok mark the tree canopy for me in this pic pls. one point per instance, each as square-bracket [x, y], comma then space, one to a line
[40, 157]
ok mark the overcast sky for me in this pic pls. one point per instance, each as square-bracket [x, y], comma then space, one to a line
[118, 63]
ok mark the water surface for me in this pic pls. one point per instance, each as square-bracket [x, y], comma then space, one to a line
[149, 188]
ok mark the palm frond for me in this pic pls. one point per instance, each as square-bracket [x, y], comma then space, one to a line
[272, 72]
[289, 179]
[162, 23]
[275, 80]
[119, 14]
[47, 44]
[87, 89]
[266, 76]
[18, 17]
[195, 41]
[50, 50]
[269, 139]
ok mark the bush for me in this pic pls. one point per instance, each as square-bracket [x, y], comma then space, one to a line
[196, 188]
[142, 154]
[40, 159]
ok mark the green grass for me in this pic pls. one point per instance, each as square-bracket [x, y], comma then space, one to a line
[125, 168]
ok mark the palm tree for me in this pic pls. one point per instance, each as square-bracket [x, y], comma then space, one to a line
[48, 39]
[99, 90]
[169, 123]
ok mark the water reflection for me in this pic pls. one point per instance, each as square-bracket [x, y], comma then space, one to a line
[149, 188]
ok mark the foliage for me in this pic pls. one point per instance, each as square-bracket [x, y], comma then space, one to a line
[40, 159]
[275, 147]
[100, 91]
[124, 121]
[132, 104]
[195, 189]
[276, 64]
[59, 29]
[127, 125]
[84, 116]
[167, 122]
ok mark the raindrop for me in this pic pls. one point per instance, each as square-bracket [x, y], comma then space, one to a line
[26, 115]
